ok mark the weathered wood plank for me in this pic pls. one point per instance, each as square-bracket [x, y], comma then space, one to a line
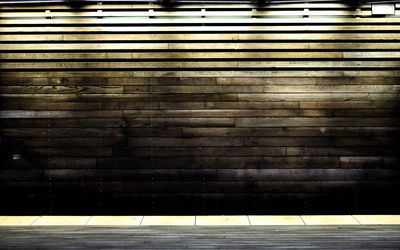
[316, 122]
[61, 89]
[310, 97]
[199, 20]
[294, 131]
[302, 175]
[188, 13]
[168, 37]
[11, 114]
[315, 81]
[212, 74]
[209, 65]
[225, 113]
[224, 45]
[223, 162]
[238, 27]
[350, 105]
[199, 151]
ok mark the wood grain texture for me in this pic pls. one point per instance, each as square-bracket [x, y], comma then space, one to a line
[121, 108]
[190, 237]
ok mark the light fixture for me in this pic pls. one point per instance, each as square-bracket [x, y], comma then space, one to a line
[383, 9]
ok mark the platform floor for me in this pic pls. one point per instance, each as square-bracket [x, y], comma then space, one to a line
[237, 220]
[208, 237]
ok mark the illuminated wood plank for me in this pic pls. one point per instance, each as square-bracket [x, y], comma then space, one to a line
[238, 27]
[208, 65]
[119, 21]
[180, 55]
[155, 37]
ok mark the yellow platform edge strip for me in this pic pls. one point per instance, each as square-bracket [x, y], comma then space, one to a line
[223, 220]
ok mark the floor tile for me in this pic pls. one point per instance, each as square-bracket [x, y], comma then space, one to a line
[61, 220]
[168, 220]
[329, 220]
[222, 220]
[17, 220]
[115, 220]
[378, 219]
[256, 220]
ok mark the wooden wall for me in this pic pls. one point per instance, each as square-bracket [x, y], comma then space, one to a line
[117, 108]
